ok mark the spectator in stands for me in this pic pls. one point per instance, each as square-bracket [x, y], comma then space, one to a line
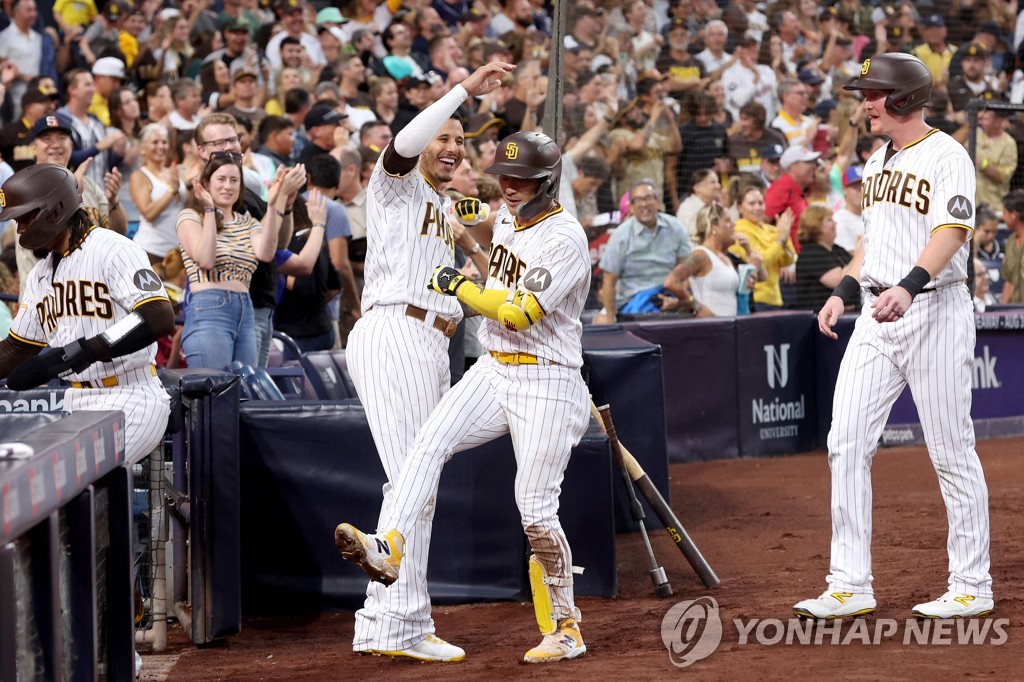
[771, 241]
[746, 81]
[187, 96]
[293, 21]
[709, 274]
[788, 192]
[1012, 272]
[107, 75]
[170, 59]
[685, 72]
[705, 145]
[591, 173]
[641, 251]
[986, 229]
[749, 146]
[321, 123]
[995, 158]
[215, 79]
[288, 79]
[15, 145]
[792, 121]
[771, 165]
[972, 83]
[23, 47]
[158, 102]
[126, 116]
[714, 57]
[159, 193]
[375, 134]
[220, 246]
[91, 138]
[310, 279]
[770, 53]
[640, 144]
[822, 263]
[983, 296]
[934, 51]
[384, 96]
[706, 189]
[246, 94]
[849, 223]
[275, 141]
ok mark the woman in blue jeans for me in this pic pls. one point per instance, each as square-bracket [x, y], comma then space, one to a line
[220, 248]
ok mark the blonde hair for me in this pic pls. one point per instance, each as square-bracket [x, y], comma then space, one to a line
[811, 221]
[707, 218]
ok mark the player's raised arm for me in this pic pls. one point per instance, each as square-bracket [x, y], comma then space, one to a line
[402, 154]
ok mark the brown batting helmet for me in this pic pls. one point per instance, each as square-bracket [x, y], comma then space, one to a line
[907, 79]
[531, 156]
[47, 190]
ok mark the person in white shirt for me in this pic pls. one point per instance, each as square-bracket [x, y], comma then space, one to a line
[747, 81]
[714, 56]
[849, 223]
[294, 22]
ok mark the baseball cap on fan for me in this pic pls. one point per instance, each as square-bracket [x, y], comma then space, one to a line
[52, 122]
[853, 175]
[108, 66]
[322, 115]
[773, 153]
[796, 154]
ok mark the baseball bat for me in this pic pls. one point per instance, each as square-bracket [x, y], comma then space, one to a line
[665, 514]
[661, 585]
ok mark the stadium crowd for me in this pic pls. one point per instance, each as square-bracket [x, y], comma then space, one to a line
[710, 150]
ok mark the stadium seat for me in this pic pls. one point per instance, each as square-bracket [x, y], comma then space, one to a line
[256, 383]
[329, 381]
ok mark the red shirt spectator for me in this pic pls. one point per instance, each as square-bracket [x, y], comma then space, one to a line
[788, 191]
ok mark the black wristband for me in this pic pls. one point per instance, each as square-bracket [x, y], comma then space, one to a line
[915, 280]
[848, 287]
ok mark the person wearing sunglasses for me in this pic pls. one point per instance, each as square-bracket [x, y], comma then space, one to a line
[220, 246]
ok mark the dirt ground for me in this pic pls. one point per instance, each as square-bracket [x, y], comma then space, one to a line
[764, 527]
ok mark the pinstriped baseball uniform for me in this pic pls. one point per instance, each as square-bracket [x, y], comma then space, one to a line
[93, 287]
[544, 406]
[400, 369]
[927, 185]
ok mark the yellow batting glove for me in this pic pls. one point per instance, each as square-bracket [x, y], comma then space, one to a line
[471, 212]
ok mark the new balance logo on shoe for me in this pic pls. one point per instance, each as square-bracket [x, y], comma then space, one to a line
[383, 547]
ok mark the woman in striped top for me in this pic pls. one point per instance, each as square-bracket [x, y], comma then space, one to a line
[220, 247]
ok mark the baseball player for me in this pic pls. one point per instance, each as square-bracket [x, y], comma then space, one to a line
[916, 328]
[528, 384]
[398, 350]
[91, 312]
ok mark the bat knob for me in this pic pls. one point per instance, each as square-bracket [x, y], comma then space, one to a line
[660, 580]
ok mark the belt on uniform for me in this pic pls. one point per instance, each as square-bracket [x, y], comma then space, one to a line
[446, 327]
[105, 382]
[520, 359]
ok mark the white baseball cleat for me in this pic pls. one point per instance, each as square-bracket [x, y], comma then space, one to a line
[430, 649]
[564, 643]
[955, 605]
[836, 604]
[378, 555]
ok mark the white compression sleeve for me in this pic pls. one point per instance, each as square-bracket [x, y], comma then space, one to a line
[414, 137]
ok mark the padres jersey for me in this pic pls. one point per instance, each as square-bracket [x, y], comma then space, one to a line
[551, 259]
[93, 287]
[407, 237]
[926, 186]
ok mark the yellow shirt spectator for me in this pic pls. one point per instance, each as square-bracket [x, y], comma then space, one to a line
[129, 45]
[75, 12]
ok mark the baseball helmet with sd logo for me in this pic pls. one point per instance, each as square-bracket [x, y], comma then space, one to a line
[45, 192]
[530, 156]
[907, 79]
